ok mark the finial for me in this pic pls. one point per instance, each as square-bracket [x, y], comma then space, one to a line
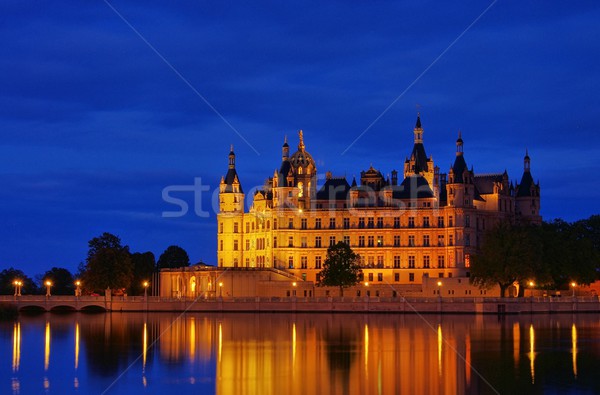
[301, 143]
[285, 139]
[231, 148]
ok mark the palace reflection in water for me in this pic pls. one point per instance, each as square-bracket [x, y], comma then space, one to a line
[280, 353]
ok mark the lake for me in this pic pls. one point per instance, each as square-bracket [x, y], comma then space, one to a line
[239, 353]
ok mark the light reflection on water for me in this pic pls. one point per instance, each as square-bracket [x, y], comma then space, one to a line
[298, 353]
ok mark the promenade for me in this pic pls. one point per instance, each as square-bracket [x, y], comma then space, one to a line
[308, 305]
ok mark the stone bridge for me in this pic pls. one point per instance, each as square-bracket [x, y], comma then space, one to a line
[61, 303]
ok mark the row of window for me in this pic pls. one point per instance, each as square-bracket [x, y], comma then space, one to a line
[370, 262]
[374, 241]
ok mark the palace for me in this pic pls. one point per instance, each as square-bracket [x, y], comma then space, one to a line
[425, 225]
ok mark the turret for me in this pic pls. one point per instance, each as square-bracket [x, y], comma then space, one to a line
[527, 195]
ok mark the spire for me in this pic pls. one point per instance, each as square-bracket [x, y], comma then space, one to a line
[418, 131]
[301, 143]
[285, 150]
[459, 144]
[231, 158]
[527, 161]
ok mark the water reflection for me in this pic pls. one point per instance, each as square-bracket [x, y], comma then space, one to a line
[278, 353]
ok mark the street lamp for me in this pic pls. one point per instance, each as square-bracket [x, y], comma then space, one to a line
[78, 288]
[221, 289]
[531, 285]
[17, 284]
[146, 284]
[439, 284]
[48, 284]
[573, 285]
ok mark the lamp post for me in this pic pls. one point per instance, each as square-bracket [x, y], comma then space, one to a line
[573, 285]
[294, 284]
[77, 288]
[220, 289]
[439, 284]
[48, 284]
[531, 285]
[17, 284]
[367, 292]
[146, 284]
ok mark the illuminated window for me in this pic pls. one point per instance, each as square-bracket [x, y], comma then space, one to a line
[303, 242]
[300, 188]
[467, 260]
[380, 241]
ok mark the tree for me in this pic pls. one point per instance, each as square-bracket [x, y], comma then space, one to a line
[173, 257]
[509, 253]
[8, 277]
[144, 265]
[62, 281]
[108, 264]
[341, 267]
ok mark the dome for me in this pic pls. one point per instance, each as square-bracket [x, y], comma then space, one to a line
[301, 159]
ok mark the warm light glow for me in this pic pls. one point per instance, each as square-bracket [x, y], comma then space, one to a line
[366, 284]
[516, 342]
[439, 283]
[573, 284]
[76, 345]
[146, 284]
[220, 344]
[144, 346]
[532, 353]
[16, 362]
[220, 284]
[48, 283]
[294, 343]
[531, 284]
[78, 283]
[192, 339]
[366, 349]
[574, 348]
[468, 366]
[294, 284]
[47, 347]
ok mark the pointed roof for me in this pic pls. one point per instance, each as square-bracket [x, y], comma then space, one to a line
[413, 187]
[524, 187]
[418, 124]
[335, 188]
[231, 177]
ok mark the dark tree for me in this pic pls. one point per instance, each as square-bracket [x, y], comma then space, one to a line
[108, 264]
[173, 257]
[144, 265]
[509, 254]
[341, 267]
[7, 279]
[62, 280]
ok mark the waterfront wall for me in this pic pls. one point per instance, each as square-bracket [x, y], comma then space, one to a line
[313, 305]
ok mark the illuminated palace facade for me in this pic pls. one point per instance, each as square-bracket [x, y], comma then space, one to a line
[427, 223]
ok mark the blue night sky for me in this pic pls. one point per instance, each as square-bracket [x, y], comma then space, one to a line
[94, 124]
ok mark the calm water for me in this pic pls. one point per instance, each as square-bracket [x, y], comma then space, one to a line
[305, 354]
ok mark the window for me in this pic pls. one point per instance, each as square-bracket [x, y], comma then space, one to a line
[291, 241]
[371, 261]
[371, 223]
[220, 227]
[467, 221]
[247, 227]
[303, 223]
[380, 222]
[370, 276]
[467, 240]
[426, 261]
[411, 261]
[380, 277]
[347, 240]
[450, 221]
[268, 224]
[303, 262]
[411, 222]
[317, 262]
[396, 240]
[221, 245]
[247, 262]
[291, 223]
[247, 245]
[371, 241]
[331, 241]
[396, 277]
[380, 261]
[235, 227]
[396, 261]
[441, 261]
[361, 223]
[451, 240]
[346, 223]
[411, 277]
[318, 241]
[467, 262]
[235, 245]
[274, 242]
[318, 223]
[361, 241]
[426, 240]
[291, 262]
[440, 222]
[440, 240]
[441, 275]
[331, 223]
[303, 242]
[275, 223]
[411, 241]
[396, 222]
[379, 241]
[426, 222]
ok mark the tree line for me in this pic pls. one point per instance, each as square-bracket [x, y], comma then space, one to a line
[109, 264]
[550, 256]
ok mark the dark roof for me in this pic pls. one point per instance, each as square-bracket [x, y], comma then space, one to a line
[458, 168]
[229, 177]
[418, 124]
[420, 157]
[485, 182]
[334, 189]
[524, 188]
[413, 187]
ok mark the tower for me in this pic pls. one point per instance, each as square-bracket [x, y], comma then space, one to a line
[418, 163]
[460, 189]
[527, 196]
